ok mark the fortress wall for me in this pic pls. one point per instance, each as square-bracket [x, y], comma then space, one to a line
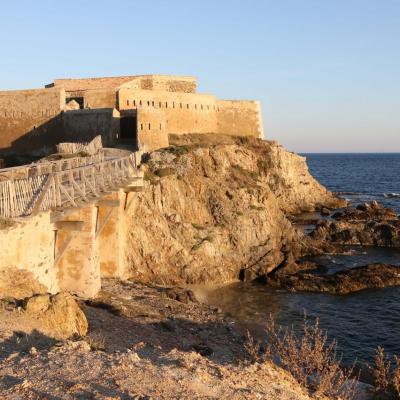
[184, 112]
[101, 98]
[84, 125]
[151, 128]
[239, 117]
[30, 119]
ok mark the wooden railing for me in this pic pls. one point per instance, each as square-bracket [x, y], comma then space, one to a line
[54, 185]
[46, 167]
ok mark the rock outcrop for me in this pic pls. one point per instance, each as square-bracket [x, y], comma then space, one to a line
[214, 213]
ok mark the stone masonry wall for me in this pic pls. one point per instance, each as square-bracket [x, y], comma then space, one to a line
[85, 125]
[29, 119]
[237, 117]
[184, 112]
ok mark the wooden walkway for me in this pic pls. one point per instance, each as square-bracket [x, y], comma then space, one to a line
[66, 183]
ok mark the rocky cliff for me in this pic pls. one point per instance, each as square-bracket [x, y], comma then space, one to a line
[214, 213]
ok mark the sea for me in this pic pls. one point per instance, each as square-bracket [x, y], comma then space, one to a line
[361, 321]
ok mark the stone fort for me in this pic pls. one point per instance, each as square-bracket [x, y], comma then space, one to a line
[127, 110]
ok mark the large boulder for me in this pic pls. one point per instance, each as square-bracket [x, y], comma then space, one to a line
[60, 314]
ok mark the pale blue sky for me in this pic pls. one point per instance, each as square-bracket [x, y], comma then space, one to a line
[326, 72]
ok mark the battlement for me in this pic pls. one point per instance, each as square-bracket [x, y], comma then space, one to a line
[167, 83]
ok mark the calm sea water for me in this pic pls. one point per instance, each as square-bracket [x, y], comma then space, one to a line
[359, 177]
[359, 321]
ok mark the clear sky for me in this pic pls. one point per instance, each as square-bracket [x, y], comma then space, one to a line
[326, 72]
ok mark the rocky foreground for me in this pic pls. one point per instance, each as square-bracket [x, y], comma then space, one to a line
[143, 342]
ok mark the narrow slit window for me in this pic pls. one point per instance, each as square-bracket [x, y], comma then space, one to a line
[159, 104]
[148, 103]
[187, 106]
[134, 103]
[152, 103]
[140, 102]
[181, 105]
[149, 126]
[166, 104]
[160, 127]
[141, 127]
[127, 102]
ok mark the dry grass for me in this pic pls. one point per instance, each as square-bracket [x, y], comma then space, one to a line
[6, 223]
[310, 358]
[96, 342]
[386, 377]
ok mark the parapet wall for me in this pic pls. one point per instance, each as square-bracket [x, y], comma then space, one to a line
[163, 83]
[167, 83]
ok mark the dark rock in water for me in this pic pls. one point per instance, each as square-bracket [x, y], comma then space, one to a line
[325, 212]
[337, 215]
[366, 225]
[365, 277]
[363, 207]
[290, 267]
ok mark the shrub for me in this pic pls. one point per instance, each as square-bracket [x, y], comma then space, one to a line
[386, 379]
[310, 358]
[96, 342]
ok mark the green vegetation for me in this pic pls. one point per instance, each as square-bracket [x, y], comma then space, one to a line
[246, 173]
[177, 150]
[198, 226]
[263, 165]
[256, 208]
[167, 171]
[149, 176]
